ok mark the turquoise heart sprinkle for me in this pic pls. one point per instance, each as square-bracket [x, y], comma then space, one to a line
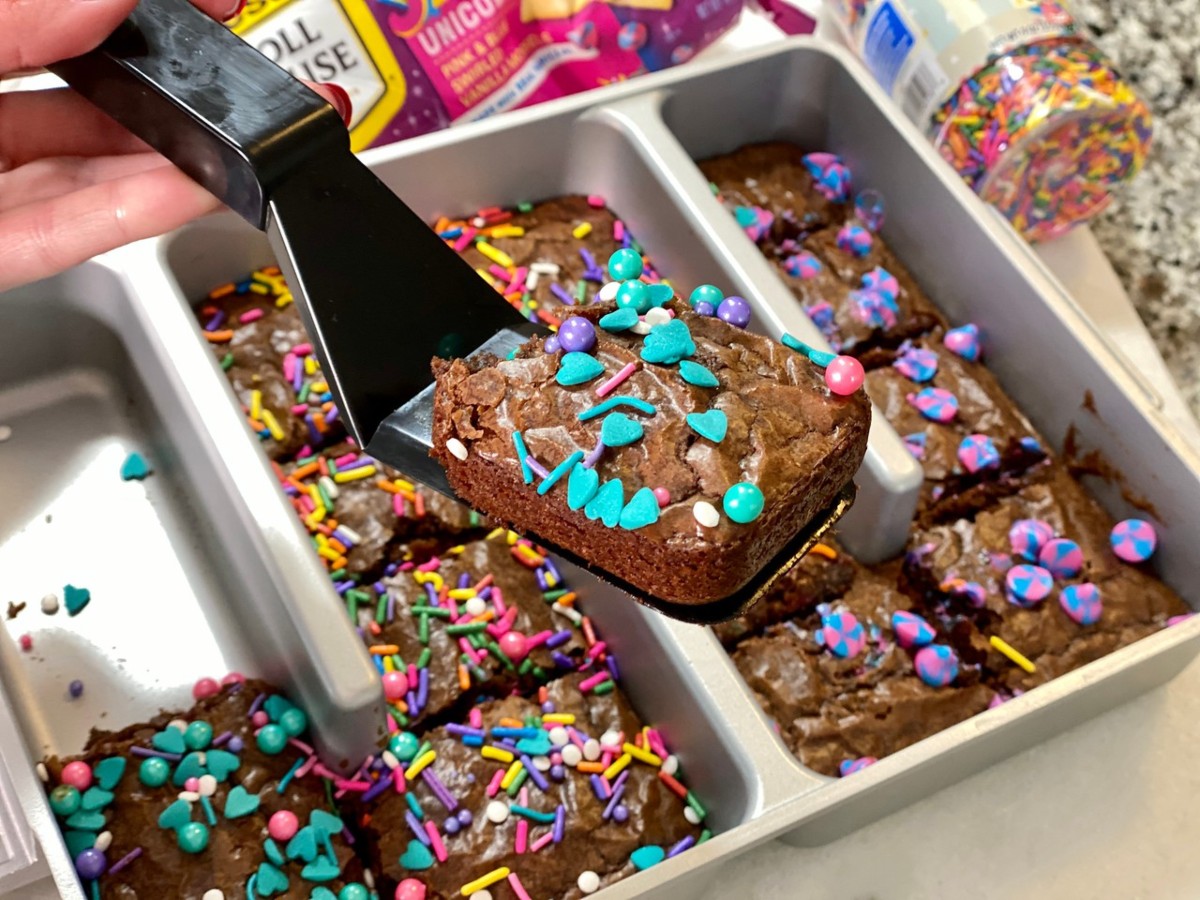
[618, 430]
[712, 424]
[642, 510]
[694, 373]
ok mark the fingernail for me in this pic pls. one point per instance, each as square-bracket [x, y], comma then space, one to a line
[341, 101]
[236, 11]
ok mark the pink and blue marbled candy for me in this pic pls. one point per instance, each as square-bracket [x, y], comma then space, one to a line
[831, 175]
[935, 404]
[850, 766]
[755, 221]
[842, 634]
[971, 591]
[916, 364]
[1060, 557]
[912, 630]
[1028, 536]
[937, 665]
[852, 238]
[964, 341]
[874, 308]
[870, 209]
[880, 279]
[916, 444]
[1133, 540]
[1027, 586]
[802, 265]
[1082, 603]
[977, 452]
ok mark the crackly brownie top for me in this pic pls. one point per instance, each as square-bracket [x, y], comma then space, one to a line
[1037, 569]
[479, 618]
[543, 258]
[562, 791]
[695, 411]
[226, 796]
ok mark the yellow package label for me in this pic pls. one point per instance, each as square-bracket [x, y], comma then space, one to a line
[331, 40]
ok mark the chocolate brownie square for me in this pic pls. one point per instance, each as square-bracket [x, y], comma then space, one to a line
[640, 441]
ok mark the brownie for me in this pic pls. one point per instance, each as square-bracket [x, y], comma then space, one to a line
[960, 571]
[771, 178]
[832, 710]
[618, 793]
[821, 576]
[496, 633]
[984, 448]
[769, 431]
[256, 778]
[543, 234]
[255, 331]
[373, 516]
[796, 224]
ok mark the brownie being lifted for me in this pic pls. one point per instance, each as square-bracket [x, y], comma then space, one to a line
[672, 449]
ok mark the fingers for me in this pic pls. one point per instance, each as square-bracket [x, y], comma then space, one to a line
[37, 124]
[50, 178]
[40, 239]
[34, 33]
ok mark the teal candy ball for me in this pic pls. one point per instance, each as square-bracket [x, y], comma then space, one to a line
[192, 837]
[706, 293]
[64, 800]
[353, 892]
[154, 772]
[625, 264]
[271, 739]
[404, 745]
[294, 722]
[743, 502]
[633, 294]
[198, 735]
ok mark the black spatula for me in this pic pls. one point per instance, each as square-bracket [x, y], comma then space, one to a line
[279, 156]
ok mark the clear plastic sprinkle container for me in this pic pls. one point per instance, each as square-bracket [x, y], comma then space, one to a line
[1028, 111]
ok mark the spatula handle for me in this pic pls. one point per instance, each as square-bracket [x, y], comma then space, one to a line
[208, 101]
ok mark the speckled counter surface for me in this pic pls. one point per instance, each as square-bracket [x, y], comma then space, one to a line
[1151, 233]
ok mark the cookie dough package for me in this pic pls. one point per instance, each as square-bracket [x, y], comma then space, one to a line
[417, 66]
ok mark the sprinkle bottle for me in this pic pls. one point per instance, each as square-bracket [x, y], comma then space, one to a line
[1013, 95]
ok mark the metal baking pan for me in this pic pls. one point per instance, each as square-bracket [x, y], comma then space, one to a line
[633, 144]
[185, 580]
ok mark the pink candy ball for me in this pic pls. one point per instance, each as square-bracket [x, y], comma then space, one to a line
[844, 375]
[233, 678]
[662, 495]
[78, 775]
[513, 644]
[259, 719]
[192, 784]
[283, 825]
[410, 889]
[395, 685]
[205, 687]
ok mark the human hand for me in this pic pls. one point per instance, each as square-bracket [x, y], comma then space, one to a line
[74, 183]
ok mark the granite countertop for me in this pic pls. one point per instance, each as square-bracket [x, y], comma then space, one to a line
[1151, 232]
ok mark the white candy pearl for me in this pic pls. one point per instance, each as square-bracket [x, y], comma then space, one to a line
[103, 841]
[671, 764]
[457, 448]
[558, 736]
[589, 882]
[609, 291]
[208, 785]
[50, 604]
[481, 895]
[657, 316]
[476, 606]
[214, 894]
[706, 514]
[610, 739]
[691, 815]
[591, 749]
[497, 812]
[572, 755]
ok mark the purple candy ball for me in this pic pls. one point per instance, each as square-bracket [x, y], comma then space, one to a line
[76, 688]
[620, 813]
[558, 773]
[548, 707]
[91, 864]
[235, 745]
[451, 825]
[704, 308]
[735, 311]
[464, 817]
[552, 344]
[577, 335]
